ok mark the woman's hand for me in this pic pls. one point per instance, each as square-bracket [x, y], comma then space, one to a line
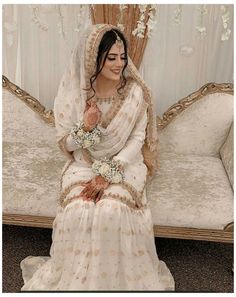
[92, 116]
[94, 189]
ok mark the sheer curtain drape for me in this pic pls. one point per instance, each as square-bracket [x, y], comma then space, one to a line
[46, 37]
[178, 59]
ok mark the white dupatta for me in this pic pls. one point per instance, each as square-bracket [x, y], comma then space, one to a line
[72, 94]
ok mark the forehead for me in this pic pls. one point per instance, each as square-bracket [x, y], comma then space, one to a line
[117, 50]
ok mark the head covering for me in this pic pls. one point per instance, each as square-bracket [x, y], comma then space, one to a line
[72, 94]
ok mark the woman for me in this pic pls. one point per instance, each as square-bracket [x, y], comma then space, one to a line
[103, 233]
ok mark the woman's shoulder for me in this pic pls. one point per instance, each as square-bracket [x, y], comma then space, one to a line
[134, 85]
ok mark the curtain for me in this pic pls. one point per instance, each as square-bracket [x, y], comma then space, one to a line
[178, 59]
[109, 14]
[46, 36]
[185, 50]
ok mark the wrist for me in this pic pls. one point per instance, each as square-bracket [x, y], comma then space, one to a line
[85, 139]
[110, 170]
[87, 128]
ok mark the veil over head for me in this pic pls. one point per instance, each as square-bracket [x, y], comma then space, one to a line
[70, 102]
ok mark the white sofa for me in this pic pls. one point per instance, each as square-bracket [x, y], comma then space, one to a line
[191, 196]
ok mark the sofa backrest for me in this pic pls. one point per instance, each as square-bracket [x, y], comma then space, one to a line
[200, 129]
[32, 161]
[227, 155]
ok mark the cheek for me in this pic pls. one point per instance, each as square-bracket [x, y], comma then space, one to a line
[107, 66]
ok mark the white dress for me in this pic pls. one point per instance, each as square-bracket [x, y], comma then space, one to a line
[104, 246]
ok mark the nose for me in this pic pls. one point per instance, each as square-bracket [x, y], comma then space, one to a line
[119, 62]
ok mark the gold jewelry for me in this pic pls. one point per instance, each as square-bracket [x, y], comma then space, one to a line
[119, 41]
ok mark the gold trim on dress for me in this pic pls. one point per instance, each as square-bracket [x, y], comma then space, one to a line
[116, 106]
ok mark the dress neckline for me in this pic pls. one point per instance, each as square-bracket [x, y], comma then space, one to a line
[116, 105]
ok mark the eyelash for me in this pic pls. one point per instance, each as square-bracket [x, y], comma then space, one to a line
[113, 59]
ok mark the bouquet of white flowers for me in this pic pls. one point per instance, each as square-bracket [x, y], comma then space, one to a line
[109, 169]
[85, 139]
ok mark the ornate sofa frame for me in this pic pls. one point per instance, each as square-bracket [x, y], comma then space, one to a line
[225, 235]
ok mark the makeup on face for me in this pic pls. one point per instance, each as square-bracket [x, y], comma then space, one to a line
[114, 63]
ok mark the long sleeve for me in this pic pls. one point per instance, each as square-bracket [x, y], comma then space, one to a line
[135, 141]
[70, 145]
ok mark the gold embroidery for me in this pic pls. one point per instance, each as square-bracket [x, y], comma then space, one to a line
[141, 252]
[67, 190]
[103, 274]
[96, 252]
[137, 196]
[131, 204]
[116, 106]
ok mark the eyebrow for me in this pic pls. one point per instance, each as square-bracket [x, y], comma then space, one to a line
[115, 54]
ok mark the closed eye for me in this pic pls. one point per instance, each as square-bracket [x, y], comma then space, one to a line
[113, 59]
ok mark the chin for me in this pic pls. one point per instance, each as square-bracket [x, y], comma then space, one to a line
[115, 77]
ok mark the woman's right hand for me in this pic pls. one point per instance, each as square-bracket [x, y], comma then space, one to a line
[92, 115]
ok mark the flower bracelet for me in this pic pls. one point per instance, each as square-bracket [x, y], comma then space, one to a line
[109, 169]
[85, 139]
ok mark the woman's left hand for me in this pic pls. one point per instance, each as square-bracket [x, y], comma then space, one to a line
[94, 189]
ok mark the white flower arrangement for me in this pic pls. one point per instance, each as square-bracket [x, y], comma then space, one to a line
[225, 19]
[201, 28]
[35, 18]
[109, 169]
[139, 31]
[151, 20]
[178, 15]
[85, 139]
[120, 23]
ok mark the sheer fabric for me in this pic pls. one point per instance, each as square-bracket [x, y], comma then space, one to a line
[108, 245]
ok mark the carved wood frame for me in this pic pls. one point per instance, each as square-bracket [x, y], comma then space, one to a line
[225, 235]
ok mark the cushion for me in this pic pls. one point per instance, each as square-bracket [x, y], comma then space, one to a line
[32, 162]
[201, 129]
[191, 191]
[227, 155]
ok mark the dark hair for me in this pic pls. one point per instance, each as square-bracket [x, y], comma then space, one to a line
[108, 39]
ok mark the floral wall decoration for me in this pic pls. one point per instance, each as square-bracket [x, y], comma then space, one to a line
[38, 11]
[178, 15]
[225, 20]
[145, 23]
[200, 27]
[37, 41]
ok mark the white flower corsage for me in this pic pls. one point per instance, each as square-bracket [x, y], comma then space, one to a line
[85, 139]
[109, 169]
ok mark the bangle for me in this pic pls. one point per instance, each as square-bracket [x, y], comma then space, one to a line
[109, 169]
[85, 139]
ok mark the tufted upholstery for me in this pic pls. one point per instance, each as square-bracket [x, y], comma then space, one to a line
[191, 189]
[31, 161]
[201, 129]
[227, 155]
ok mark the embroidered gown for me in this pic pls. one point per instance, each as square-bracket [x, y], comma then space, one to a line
[108, 245]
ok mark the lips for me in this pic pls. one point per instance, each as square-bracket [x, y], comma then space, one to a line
[116, 71]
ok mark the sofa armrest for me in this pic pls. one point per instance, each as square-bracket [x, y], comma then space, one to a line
[227, 155]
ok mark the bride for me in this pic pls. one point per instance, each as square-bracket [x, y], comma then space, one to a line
[103, 233]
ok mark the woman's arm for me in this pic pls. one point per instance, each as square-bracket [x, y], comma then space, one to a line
[135, 141]
[91, 117]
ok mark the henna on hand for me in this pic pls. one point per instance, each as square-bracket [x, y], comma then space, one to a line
[94, 188]
[92, 115]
